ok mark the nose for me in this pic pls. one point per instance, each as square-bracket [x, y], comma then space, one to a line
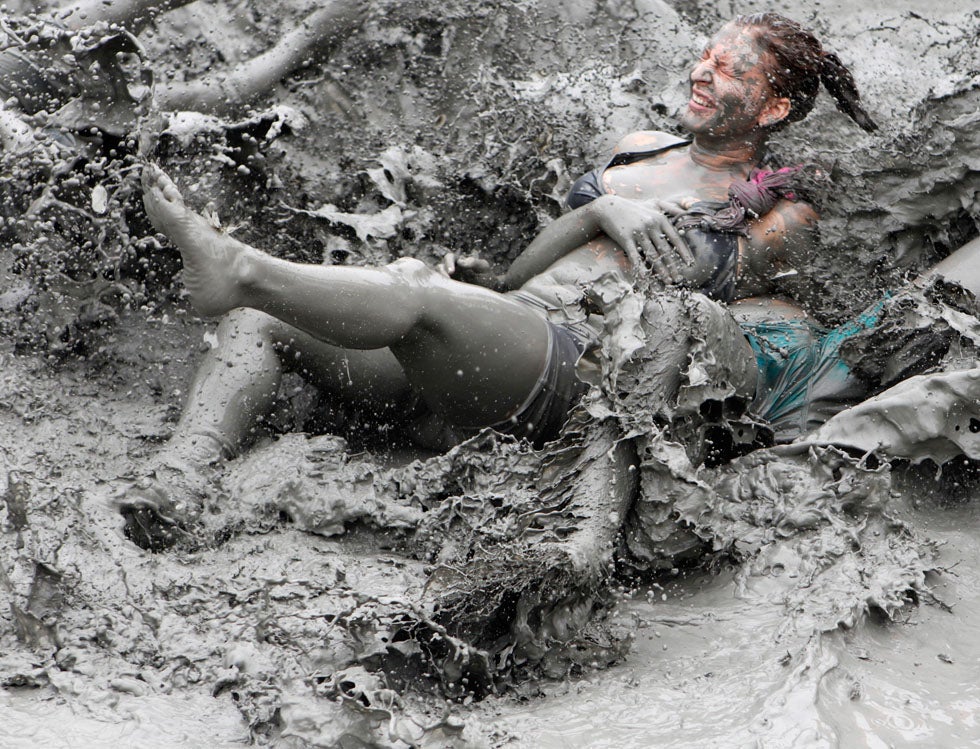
[701, 72]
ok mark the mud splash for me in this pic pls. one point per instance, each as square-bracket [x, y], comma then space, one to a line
[363, 598]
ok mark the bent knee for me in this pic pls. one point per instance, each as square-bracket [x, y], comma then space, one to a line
[245, 318]
[411, 270]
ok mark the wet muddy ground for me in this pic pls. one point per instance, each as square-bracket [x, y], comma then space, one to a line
[468, 117]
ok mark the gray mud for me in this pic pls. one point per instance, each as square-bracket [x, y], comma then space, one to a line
[351, 595]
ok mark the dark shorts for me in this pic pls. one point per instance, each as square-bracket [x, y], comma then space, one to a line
[543, 414]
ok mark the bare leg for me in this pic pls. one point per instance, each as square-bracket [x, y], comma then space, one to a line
[238, 380]
[235, 387]
[473, 355]
[311, 41]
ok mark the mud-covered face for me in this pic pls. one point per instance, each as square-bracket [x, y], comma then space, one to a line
[730, 93]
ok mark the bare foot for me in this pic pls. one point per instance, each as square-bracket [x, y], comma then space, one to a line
[211, 258]
[163, 507]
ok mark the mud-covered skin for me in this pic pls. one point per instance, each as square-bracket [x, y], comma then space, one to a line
[475, 356]
[730, 95]
[730, 113]
[209, 273]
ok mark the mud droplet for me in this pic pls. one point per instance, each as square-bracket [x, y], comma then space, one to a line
[100, 200]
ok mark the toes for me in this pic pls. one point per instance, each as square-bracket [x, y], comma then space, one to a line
[151, 176]
[171, 193]
[167, 186]
[155, 180]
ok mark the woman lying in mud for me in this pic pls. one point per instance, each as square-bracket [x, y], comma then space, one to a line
[446, 358]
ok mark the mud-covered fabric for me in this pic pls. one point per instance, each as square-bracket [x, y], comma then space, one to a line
[665, 354]
[748, 199]
[719, 252]
[803, 380]
[542, 416]
[808, 374]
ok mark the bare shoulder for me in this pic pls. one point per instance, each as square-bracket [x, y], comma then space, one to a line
[646, 140]
[797, 213]
[783, 239]
[787, 218]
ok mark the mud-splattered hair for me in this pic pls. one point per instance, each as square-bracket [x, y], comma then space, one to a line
[799, 64]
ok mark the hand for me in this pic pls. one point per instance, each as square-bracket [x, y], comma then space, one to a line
[468, 269]
[644, 232]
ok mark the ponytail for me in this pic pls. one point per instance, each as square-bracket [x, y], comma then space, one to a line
[799, 64]
[839, 83]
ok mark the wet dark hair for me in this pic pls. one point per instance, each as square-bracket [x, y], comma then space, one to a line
[799, 64]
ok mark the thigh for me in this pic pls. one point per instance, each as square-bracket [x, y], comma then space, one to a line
[475, 356]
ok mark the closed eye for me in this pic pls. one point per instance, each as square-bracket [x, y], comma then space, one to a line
[720, 63]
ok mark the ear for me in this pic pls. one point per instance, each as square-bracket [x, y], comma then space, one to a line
[774, 111]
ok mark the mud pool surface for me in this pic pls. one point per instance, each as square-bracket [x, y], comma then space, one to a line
[717, 659]
[469, 117]
[711, 667]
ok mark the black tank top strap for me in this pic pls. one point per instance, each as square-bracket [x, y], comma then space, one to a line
[588, 187]
[630, 157]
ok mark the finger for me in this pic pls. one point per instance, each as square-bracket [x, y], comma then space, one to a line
[654, 260]
[449, 261]
[665, 237]
[670, 208]
[660, 248]
[635, 258]
[678, 243]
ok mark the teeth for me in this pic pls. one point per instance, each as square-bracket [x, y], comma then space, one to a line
[700, 100]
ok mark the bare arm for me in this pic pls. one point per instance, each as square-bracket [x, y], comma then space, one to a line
[780, 243]
[642, 230]
[227, 92]
[556, 240]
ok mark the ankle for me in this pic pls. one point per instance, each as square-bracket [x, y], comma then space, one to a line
[197, 451]
[246, 269]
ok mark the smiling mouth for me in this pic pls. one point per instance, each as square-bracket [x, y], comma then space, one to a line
[701, 101]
